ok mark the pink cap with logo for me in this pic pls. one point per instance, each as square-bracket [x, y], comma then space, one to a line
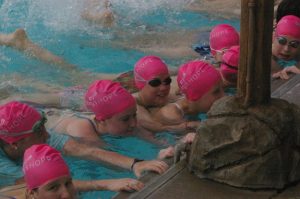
[16, 118]
[230, 62]
[106, 98]
[148, 68]
[195, 78]
[289, 25]
[43, 164]
[223, 36]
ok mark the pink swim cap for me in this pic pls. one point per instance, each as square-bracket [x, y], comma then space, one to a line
[289, 26]
[195, 78]
[43, 164]
[15, 119]
[106, 98]
[223, 36]
[230, 62]
[148, 68]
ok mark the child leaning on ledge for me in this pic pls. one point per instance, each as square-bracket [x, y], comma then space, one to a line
[22, 126]
[286, 47]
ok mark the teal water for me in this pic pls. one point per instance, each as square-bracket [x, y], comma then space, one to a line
[129, 146]
[56, 25]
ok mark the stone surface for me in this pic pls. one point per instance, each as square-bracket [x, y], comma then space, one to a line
[253, 148]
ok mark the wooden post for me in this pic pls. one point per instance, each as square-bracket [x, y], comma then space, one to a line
[255, 52]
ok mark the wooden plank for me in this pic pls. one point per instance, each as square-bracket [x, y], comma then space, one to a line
[188, 186]
[255, 52]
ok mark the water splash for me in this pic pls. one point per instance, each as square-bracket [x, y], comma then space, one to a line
[62, 16]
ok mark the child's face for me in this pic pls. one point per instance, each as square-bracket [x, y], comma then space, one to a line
[205, 102]
[36, 138]
[219, 54]
[56, 189]
[285, 47]
[157, 95]
[122, 123]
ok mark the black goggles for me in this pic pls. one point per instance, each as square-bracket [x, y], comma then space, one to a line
[36, 128]
[157, 82]
[283, 41]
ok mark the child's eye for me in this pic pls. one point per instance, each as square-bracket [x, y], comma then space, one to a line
[125, 119]
[53, 188]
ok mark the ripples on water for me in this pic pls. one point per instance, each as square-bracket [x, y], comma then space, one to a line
[57, 25]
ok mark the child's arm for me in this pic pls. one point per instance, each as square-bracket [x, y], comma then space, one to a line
[124, 184]
[71, 147]
[283, 74]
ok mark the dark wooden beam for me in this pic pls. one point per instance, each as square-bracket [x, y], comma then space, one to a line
[255, 51]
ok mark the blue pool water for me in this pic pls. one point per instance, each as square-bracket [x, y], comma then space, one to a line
[129, 146]
[57, 26]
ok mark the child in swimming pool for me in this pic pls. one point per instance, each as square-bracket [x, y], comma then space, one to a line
[229, 67]
[57, 182]
[22, 126]
[286, 47]
[20, 41]
[113, 112]
[98, 12]
[201, 85]
[153, 81]
[221, 38]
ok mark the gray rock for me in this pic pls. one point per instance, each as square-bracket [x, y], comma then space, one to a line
[253, 148]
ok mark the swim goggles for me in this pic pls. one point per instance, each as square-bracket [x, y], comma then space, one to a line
[223, 50]
[157, 82]
[283, 41]
[36, 128]
[154, 82]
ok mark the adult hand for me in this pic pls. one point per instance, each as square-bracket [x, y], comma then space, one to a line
[151, 165]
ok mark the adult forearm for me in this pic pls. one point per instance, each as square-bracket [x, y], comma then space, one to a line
[84, 151]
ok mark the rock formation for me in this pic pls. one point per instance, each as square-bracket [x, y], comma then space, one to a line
[256, 148]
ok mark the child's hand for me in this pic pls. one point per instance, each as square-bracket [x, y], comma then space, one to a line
[192, 125]
[166, 153]
[283, 74]
[157, 166]
[188, 138]
[124, 184]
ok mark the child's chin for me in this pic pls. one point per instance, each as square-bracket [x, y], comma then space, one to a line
[285, 58]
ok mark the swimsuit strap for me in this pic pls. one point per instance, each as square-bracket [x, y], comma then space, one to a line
[92, 122]
[179, 108]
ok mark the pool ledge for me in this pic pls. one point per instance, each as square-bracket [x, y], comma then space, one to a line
[178, 182]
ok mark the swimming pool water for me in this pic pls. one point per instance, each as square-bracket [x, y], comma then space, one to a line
[56, 25]
[89, 47]
[129, 146]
